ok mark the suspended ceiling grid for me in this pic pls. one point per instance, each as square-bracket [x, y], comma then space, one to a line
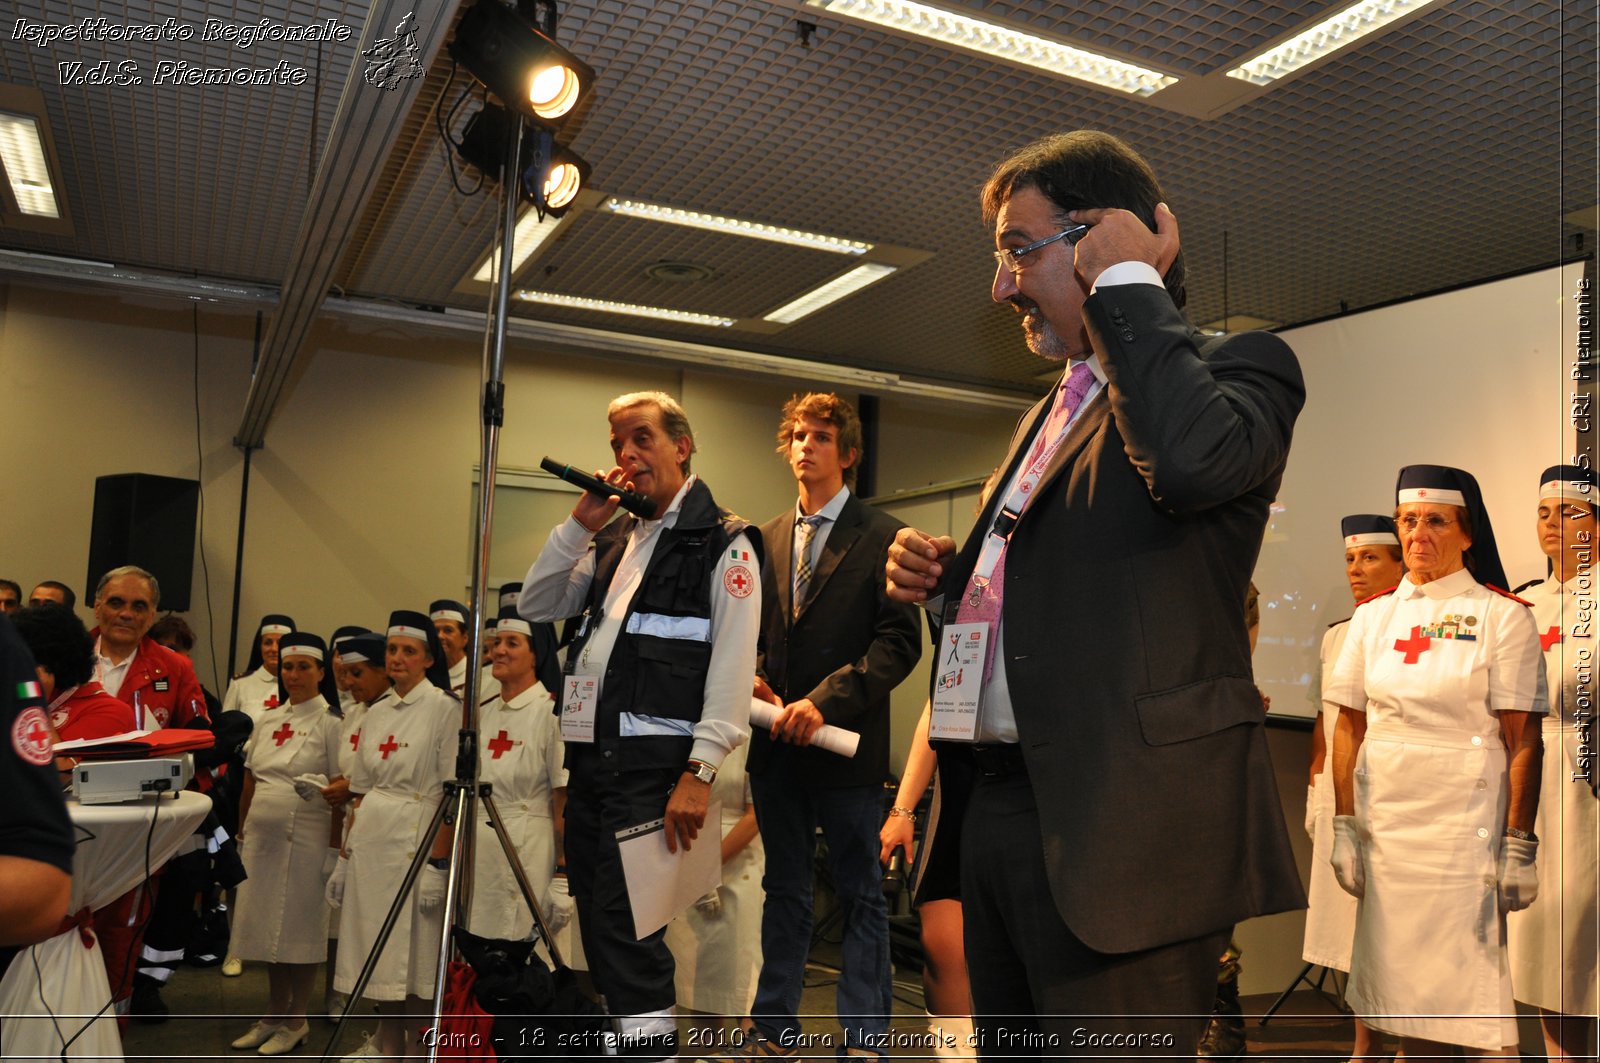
[1443, 152]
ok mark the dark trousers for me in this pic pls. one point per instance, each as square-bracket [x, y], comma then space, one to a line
[789, 809]
[634, 975]
[1036, 988]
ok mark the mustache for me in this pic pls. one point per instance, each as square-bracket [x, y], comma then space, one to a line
[1021, 303]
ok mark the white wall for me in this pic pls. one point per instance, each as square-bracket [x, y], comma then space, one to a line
[363, 498]
[1473, 378]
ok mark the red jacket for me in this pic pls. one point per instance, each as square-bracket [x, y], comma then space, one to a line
[162, 688]
[91, 713]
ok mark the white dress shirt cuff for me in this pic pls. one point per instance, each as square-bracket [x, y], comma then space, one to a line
[1127, 273]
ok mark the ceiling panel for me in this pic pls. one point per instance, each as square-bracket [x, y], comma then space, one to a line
[1440, 153]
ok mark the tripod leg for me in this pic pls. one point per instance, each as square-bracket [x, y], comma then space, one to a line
[521, 876]
[1283, 996]
[460, 868]
[401, 898]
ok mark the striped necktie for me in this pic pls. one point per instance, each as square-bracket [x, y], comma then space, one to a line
[807, 529]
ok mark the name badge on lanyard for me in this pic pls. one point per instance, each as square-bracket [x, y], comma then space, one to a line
[958, 682]
[580, 703]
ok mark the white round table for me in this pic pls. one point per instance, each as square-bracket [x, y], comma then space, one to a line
[54, 995]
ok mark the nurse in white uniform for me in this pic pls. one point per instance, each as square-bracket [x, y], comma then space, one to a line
[359, 654]
[255, 689]
[405, 754]
[1436, 763]
[288, 843]
[716, 942]
[347, 700]
[519, 755]
[252, 692]
[1553, 943]
[1372, 565]
[450, 619]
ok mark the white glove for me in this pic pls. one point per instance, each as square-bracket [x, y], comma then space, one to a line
[1519, 883]
[711, 903]
[334, 890]
[1311, 811]
[1347, 865]
[330, 862]
[430, 891]
[558, 906]
[309, 786]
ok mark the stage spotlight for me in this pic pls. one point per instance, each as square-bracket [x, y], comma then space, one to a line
[553, 174]
[531, 73]
[555, 177]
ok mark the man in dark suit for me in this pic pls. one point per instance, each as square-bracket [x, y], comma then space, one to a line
[833, 647]
[1123, 815]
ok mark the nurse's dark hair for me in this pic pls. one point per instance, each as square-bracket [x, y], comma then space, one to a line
[1079, 170]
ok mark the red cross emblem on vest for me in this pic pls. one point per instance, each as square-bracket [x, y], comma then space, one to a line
[389, 746]
[1415, 646]
[39, 733]
[271, 702]
[283, 734]
[501, 743]
[355, 741]
[1550, 638]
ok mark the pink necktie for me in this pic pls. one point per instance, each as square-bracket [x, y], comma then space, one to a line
[1069, 395]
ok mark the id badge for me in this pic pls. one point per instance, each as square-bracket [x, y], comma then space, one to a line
[579, 705]
[958, 683]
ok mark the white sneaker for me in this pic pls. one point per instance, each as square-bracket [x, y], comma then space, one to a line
[232, 967]
[285, 1040]
[368, 1050]
[257, 1035]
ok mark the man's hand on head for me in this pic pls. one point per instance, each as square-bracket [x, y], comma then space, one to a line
[1117, 235]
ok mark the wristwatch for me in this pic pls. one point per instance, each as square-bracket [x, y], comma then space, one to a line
[702, 771]
[1525, 835]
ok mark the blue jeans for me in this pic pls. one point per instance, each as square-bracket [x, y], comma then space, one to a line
[788, 812]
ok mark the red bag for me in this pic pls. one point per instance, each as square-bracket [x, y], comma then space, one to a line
[466, 1031]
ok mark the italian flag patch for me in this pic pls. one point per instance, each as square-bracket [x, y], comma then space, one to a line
[30, 690]
[738, 555]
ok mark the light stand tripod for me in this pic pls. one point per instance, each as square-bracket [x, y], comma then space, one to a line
[456, 805]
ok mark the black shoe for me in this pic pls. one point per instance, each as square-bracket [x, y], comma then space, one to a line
[1224, 1036]
[147, 1005]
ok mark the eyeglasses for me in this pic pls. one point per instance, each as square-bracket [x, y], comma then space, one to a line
[1433, 522]
[1011, 257]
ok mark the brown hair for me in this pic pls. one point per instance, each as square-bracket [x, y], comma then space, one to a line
[828, 407]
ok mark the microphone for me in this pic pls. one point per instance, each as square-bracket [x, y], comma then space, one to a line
[635, 503]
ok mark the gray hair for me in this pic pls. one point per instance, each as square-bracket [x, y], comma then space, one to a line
[673, 420]
[130, 570]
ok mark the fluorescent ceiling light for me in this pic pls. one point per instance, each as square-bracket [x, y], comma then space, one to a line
[831, 292]
[634, 208]
[22, 153]
[578, 302]
[525, 240]
[1000, 42]
[1323, 38]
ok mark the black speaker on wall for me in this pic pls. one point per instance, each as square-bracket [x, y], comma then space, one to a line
[149, 521]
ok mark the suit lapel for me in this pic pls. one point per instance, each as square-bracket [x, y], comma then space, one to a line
[841, 537]
[1088, 422]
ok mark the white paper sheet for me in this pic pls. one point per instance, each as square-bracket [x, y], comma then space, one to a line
[662, 884]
